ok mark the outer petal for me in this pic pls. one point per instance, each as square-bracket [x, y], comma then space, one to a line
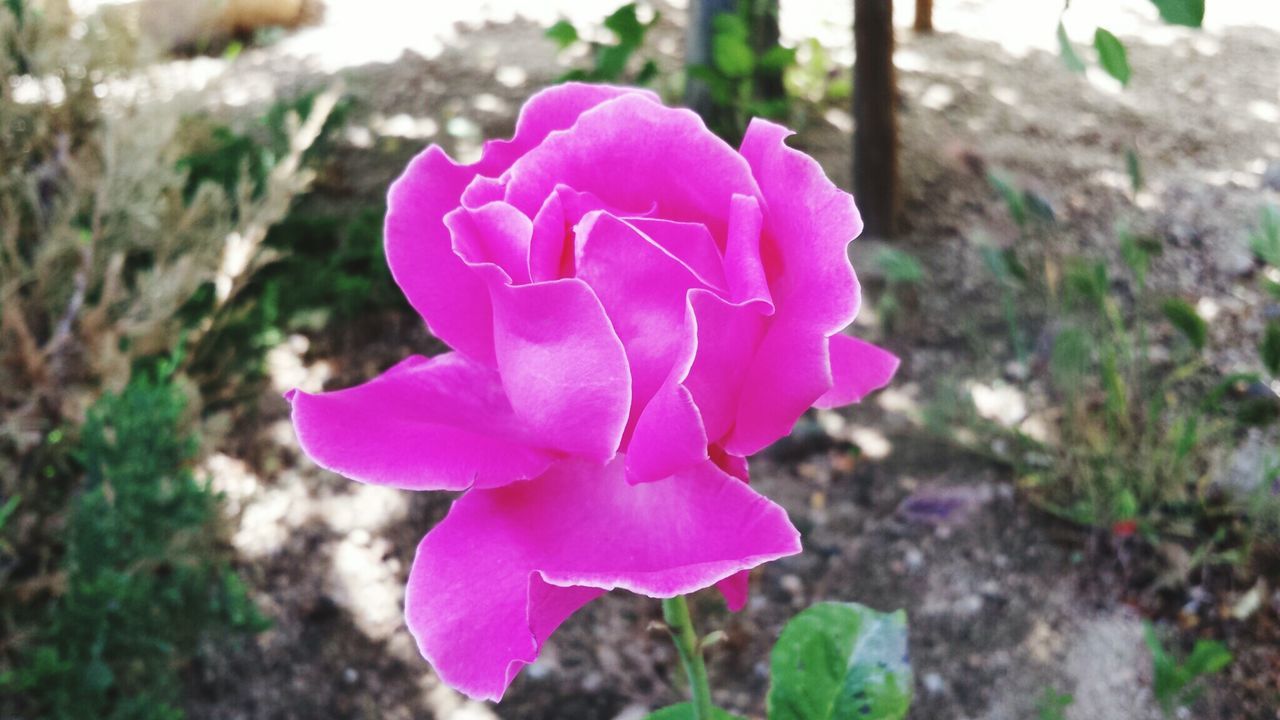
[809, 223]
[449, 298]
[859, 367]
[632, 151]
[444, 291]
[439, 423]
[507, 566]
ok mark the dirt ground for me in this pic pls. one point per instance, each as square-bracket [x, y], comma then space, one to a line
[1004, 602]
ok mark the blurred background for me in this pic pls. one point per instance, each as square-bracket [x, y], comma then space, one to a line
[1073, 242]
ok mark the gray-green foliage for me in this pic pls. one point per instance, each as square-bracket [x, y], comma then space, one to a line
[147, 582]
[841, 661]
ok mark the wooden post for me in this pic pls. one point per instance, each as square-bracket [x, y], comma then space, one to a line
[924, 16]
[875, 139]
[697, 50]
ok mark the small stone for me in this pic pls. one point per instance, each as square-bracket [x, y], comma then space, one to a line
[792, 584]
[969, 605]
[350, 676]
[1271, 176]
[933, 683]
[914, 559]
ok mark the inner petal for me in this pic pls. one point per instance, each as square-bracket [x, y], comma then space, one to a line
[643, 289]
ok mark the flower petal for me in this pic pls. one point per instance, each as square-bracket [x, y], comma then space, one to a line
[690, 242]
[642, 288]
[438, 284]
[494, 233]
[727, 334]
[859, 367]
[441, 423]
[452, 301]
[631, 151]
[563, 367]
[507, 566]
[668, 437]
[809, 223]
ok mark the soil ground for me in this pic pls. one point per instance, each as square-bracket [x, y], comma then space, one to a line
[1005, 603]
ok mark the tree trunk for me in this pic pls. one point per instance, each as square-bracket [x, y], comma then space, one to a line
[765, 35]
[697, 50]
[924, 16]
[875, 139]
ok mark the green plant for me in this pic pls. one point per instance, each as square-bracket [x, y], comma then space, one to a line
[1265, 239]
[1131, 437]
[901, 271]
[1112, 56]
[1176, 683]
[147, 582]
[1053, 705]
[741, 68]
[833, 661]
[611, 61]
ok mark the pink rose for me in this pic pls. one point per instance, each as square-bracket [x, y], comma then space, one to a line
[634, 308]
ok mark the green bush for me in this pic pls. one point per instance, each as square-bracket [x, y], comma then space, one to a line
[147, 582]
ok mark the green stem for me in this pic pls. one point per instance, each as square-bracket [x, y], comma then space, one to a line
[676, 613]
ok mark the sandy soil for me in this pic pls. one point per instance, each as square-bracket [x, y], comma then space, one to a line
[1004, 603]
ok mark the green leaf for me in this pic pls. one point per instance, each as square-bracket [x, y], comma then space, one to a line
[1265, 241]
[1112, 55]
[1068, 52]
[1133, 165]
[626, 25]
[8, 509]
[563, 34]
[898, 266]
[611, 62]
[684, 711]
[838, 661]
[778, 58]
[1270, 348]
[1181, 12]
[732, 55]
[1135, 256]
[1014, 201]
[1208, 657]
[1184, 317]
[1071, 357]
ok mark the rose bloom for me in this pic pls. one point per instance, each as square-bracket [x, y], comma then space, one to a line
[634, 308]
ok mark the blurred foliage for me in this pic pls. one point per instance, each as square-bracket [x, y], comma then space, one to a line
[744, 66]
[902, 274]
[1052, 705]
[1131, 417]
[1113, 58]
[611, 61]
[147, 584]
[1177, 683]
